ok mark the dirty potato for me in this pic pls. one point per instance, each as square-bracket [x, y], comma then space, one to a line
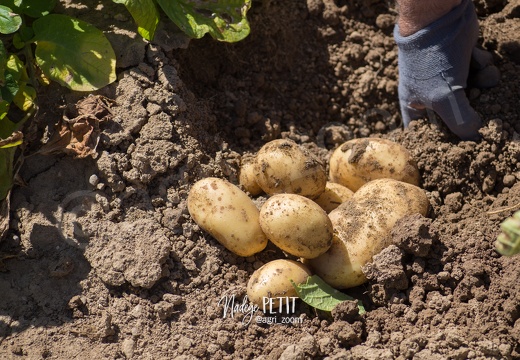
[273, 281]
[247, 177]
[296, 224]
[362, 226]
[284, 167]
[358, 161]
[333, 196]
[228, 214]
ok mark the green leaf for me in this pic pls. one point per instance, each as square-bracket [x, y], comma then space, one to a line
[9, 90]
[15, 75]
[4, 109]
[145, 14]
[25, 96]
[318, 294]
[508, 242]
[3, 63]
[37, 8]
[9, 21]
[224, 20]
[7, 127]
[73, 53]
[16, 67]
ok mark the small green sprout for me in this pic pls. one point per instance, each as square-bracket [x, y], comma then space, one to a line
[508, 242]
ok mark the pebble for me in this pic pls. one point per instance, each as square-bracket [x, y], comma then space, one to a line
[509, 180]
[443, 276]
[356, 36]
[127, 348]
[93, 180]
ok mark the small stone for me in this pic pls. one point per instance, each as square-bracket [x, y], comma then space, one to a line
[356, 36]
[443, 276]
[509, 180]
[127, 348]
[93, 180]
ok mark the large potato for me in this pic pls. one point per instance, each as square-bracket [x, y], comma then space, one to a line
[359, 161]
[273, 280]
[333, 196]
[296, 224]
[247, 177]
[228, 214]
[362, 226]
[284, 167]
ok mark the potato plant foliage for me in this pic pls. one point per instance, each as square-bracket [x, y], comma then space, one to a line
[224, 20]
[37, 46]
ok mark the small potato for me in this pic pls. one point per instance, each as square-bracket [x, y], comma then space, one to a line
[247, 177]
[296, 224]
[333, 196]
[362, 226]
[273, 280]
[284, 167]
[228, 214]
[358, 161]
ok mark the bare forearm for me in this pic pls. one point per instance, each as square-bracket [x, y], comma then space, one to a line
[417, 14]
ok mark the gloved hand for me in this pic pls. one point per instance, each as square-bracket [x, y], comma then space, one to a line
[434, 64]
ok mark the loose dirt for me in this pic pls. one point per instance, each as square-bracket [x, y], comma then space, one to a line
[102, 259]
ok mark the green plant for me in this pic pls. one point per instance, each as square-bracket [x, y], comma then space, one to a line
[508, 241]
[224, 20]
[35, 47]
[318, 294]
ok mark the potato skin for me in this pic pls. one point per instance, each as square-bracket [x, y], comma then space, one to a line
[228, 214]
[273, 280]
[359, 161]
[247, 177]
[362, 226]
[333, 196]
[284, 167]
[296, 224]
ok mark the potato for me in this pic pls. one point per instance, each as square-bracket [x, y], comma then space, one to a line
[296, 224]
[362, 227]
[358, 161]
[247, 177]
[228, 214]
[333, 196]
[273, 280]
[284, 167]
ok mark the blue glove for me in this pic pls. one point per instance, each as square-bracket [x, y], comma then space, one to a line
[434, 65]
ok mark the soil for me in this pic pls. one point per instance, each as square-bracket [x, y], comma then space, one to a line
[102, 260]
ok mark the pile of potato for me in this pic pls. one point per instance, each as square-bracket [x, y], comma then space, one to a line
[334, 223]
